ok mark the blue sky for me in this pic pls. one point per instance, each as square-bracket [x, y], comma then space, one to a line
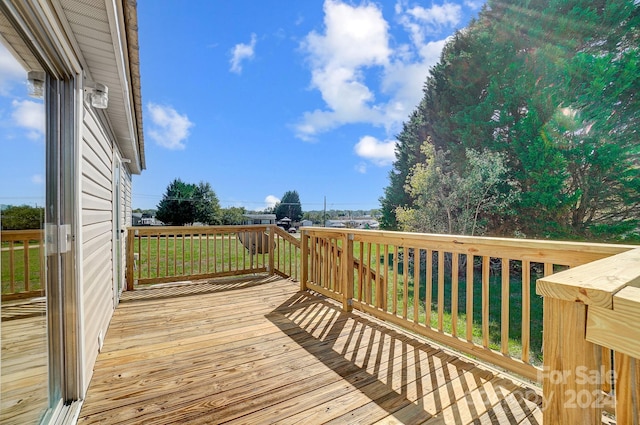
[258, 97]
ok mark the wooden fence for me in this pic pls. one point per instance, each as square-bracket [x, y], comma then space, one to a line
[23, 264]
[473, 294]
[170, 254]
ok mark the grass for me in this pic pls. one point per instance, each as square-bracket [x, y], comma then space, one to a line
[495, 302]
[19, 270]
[168, 257]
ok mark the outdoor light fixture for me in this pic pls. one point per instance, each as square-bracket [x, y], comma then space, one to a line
[97, 94]
[35, 84]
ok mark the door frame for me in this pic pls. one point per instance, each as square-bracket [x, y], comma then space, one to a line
[63, 103]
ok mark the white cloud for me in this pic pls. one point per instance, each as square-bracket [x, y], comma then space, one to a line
[270, 201]
[474, 4]
[355, 38]
[380, 153]
[11, 72]
[37, 179]
[436, 16]
[29, 115]
[168, 128]
[240, 53]
[361, 168]
[353, 47]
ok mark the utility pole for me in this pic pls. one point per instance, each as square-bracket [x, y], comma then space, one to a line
[324, 215]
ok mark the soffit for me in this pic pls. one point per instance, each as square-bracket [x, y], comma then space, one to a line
[100, 36]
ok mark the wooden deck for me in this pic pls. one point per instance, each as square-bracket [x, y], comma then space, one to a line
[23, 369]
[259, 351]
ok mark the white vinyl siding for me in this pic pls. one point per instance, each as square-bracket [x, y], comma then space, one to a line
[97, 235]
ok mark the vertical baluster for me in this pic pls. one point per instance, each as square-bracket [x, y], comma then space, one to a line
[12, 267]
[441, 256]
[469, 306]
[157, 246]
[405, 282]
[526, 310]
[395, 280]
[416, 285]
[166, 255]
[175, 255]
[148, 239]
[454, 292]
[361, 282]
[385, 291]
[429, 287]
[504, 314]
[368, 285]
[485, 300]
[379, 276]
[27, 271]
[229, 249]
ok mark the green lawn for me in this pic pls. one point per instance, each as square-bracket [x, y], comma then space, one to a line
[166, 256]
[19, 270]
[495, 302]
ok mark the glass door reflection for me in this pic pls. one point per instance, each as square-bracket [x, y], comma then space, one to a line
[24, 363]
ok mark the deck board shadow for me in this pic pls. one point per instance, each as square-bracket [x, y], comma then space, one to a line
[264, 352]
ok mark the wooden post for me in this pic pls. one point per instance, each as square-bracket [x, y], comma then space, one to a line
[272, 248]
[627, 376]
[304, 260]
[130, 258]
[571, 378]
[346, 268]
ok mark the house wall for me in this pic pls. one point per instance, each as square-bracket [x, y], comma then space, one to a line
[96, 200]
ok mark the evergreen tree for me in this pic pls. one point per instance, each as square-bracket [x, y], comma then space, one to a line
[186, 203]
[289, 206]
[551, 86]
[176, 208]
[206, 205]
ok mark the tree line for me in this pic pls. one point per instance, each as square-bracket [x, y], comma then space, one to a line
[528, 126]
[188, 203]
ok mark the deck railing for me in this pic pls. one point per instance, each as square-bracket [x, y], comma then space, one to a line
[473, 294]
[23, 264]
[490, 298]
[169, 254]
[592, 341]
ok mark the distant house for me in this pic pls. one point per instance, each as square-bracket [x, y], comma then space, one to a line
[144, 219]
[259, 218]
[336, 224]
[358, 223]
[304, 223]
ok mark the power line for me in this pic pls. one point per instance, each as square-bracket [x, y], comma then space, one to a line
[235, 201]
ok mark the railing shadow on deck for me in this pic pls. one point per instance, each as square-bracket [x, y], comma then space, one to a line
[189, 288]
[409, 378]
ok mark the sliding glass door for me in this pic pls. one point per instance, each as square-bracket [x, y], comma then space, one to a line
[40, 361]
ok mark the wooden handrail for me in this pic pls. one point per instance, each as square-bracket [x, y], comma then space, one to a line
[589, 308]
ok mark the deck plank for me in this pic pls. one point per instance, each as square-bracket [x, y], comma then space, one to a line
[259, 351]
[23, 367]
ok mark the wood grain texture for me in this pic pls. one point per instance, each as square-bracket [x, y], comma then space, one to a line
[594, 283]
[23, 369]
[260, 351]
